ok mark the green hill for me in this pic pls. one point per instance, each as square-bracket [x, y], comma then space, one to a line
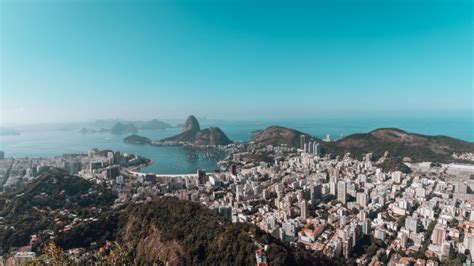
[37, 206]
[185, 233]
[400, 144]
[277, 135]
[136, 139]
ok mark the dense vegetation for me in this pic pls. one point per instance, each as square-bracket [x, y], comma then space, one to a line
[168, 229]
[400, 144]
[277, 135]
[159, 231]
[37, 206]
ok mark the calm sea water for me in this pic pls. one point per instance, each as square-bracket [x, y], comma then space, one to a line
[43, 141]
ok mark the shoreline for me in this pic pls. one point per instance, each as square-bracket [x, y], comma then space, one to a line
[132, 168]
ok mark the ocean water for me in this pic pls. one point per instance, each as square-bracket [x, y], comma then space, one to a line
[45, 141]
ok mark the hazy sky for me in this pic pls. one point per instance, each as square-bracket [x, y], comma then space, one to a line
[82, 60]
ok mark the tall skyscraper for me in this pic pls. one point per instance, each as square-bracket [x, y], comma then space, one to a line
[362, 199]
[233, 169]
[2, 155]
[302, 141]
[303, 210]
[202, 178]
[316, 148]
[333, 188]
[316, 192]
[238, 192]
[341, 191]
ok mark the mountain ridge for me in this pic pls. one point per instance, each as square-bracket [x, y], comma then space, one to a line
[277, 135]
[400, 145]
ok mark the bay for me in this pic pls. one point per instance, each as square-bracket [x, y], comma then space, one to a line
[47, 140]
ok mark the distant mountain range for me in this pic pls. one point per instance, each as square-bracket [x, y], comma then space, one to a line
[153, 124]
[120, 129]
[127, 127]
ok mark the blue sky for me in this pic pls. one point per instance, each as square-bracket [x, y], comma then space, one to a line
[84, 60]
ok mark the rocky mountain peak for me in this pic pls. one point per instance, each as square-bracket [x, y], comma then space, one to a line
[191, 124]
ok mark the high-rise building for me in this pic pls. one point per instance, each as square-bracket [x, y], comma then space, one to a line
[316, 148]
[302, 141]
[439, 235]
[113, 172]
[239, 189]
[379, 234]
[265, 194]
[362, 199]
[316, 192]
[411, 223]
[233, 169]
[2, 155]
[403, 240]
[347, 247]
[366, 226]
[332, 188]
[225, 211]
[397, 177]
[303, 210]
[202, 177]
[72, 167]
[341, 191]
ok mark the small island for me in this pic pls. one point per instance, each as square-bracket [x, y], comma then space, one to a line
[136, 139]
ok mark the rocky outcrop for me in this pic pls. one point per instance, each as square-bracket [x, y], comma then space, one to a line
[193, 135]
[191, 124]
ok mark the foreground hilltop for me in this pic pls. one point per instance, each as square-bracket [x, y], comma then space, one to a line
[76, 213]
[177, 232]
[38, 206]
[192, 134]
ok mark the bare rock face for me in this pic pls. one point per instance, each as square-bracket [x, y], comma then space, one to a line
[191, 124]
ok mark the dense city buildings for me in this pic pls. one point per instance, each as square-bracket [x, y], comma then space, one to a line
[340, 207]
